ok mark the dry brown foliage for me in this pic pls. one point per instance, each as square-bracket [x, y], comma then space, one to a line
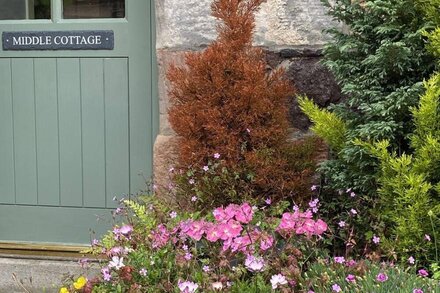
[224, 101]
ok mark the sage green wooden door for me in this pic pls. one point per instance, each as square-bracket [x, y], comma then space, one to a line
[76, 127]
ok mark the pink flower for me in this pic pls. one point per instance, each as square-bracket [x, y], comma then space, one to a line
[320, 227]
[376, 239]
[219, 214]
[196, 230]
[381, 277]
[266, 242]
[308, 227]
[242, 244]
[213, 233]
[143, 272]
[423, 273]
[244, 214]
[352, 194]
[339, 259]
[277, 280]
[350, 263]
[191, 181]
[417, 290]
[341, 224]
[350, 278]
[194, 198]
[173, 215]
[187, 286]
[353, 212]
[427, 237]
[254, 264]
[188, 256]
[206, 269]
[231, 210]
[268, 201]
[205, 168]
[411, 260]
[160, 236]
[313, 188]
[230, 229]
[336, 288]
[216, 156]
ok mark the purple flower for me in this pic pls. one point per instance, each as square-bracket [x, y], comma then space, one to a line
[295, 208]
[206, 269]
[417, 290]
[411, 260]
[381, 277]
[106, 274]
[339, 259]
[268, 201]
[341, 224]
[216, 156]
[423, 273]
[350, 278]
[336, 288]
[350, 263]
[188, 256]
[376, 239]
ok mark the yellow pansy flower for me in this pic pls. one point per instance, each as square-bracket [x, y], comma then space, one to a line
[64, 290]
[81, 282]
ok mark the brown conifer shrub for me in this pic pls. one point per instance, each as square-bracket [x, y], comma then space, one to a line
[224, 101]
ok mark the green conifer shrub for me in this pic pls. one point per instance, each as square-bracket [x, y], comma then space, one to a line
[409, 183]
[379, 63]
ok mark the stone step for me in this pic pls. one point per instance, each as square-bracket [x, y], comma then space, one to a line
[39, 274]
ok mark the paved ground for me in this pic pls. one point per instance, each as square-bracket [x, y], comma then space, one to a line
[38, 275]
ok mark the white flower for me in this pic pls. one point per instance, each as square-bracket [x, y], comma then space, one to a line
[187, 287]
[116, 263]
[217, 286]
[277, 280]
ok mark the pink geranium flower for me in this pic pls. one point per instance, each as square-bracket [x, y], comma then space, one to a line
[244, 214]
[381, 277]
[423, 273]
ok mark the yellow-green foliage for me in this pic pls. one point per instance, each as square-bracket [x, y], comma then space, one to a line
[434, 42]
[326, 124]
[426, 116]
[139, 210]
[409, 184]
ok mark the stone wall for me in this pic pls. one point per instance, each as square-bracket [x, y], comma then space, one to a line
[290, 31]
